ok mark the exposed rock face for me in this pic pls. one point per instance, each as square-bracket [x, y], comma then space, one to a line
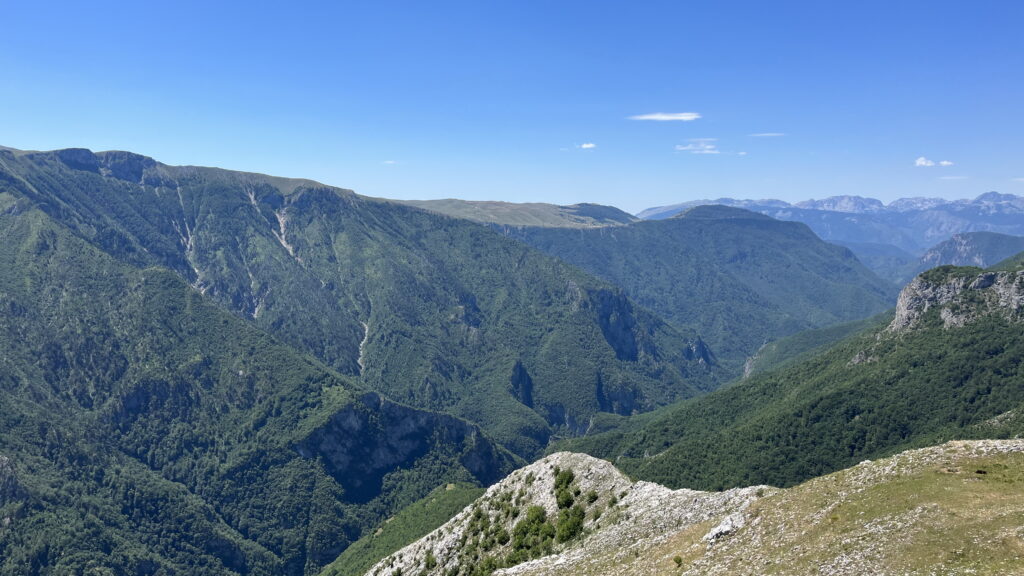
[363, 442]
[10, 490]
[620, 516]
[960, 296]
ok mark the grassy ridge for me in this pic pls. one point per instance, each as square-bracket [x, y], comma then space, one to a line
[412, 523]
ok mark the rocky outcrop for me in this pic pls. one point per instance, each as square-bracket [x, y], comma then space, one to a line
[615, 515]
[948, 509]
[960, 295]
[368, 439]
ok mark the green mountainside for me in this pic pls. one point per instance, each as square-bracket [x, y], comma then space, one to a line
[528, 214]
[147, 431]
[431, 311]
[738, 278]
[947, 366]
[1015, 262]
[411, 524]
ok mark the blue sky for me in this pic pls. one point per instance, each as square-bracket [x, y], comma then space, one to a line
[534, 101]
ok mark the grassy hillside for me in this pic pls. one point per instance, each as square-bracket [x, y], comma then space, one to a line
[738, 278]
[952, 371]
[806, 344]
[409, 525]
[528, 214]
[431, 311]
[1015, 262]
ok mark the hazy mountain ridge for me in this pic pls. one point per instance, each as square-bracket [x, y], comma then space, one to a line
[981, 249]
[911, 224]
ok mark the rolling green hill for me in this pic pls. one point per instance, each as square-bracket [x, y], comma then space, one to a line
[738, 278]
[431, 311]
[948, 366]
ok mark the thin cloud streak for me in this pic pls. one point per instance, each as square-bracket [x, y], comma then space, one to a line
[668, 117]
[699, 146]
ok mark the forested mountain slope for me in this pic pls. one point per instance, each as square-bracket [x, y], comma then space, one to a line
[145, 430]
[738, 278]
[947, 366]
[431, 311]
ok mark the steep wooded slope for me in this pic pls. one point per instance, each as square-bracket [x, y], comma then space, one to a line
[738, 278]
[146, 430]
[947, 366]
[431, 311]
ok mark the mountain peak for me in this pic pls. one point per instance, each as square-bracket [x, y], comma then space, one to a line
[853, 204]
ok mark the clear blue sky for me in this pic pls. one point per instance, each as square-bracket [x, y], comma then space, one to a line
[496, 100]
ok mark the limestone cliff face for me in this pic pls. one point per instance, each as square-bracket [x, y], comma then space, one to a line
[370, 438]
[960, 295]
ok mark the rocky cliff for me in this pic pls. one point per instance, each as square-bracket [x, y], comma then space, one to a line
[959, 295]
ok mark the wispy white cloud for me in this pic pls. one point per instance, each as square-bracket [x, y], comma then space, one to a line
[741, 153]
[923, 162]
[699, 146]
[390, 162]
[952, 177]
[767, 134]
[668, 117]
[1018, 179]
[587, 146]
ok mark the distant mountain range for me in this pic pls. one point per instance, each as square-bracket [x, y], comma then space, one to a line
[910, 224]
